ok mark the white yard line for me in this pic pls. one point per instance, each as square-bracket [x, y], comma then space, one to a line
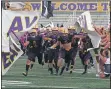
[23, 83]
[35, 86]
[3, 86]
[11, 82]
[69, 77]
[16, 83]
[62, 87]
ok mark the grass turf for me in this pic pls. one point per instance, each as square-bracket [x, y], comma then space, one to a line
[39, 77]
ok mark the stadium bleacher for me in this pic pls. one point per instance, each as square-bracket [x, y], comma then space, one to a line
[59, 17]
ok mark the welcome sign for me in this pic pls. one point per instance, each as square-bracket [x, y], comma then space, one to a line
[73, 6]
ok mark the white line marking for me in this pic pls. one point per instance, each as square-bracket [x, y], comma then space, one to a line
[53, 87]
[35, 86]
[79, 72]
[67, 77]
[3, 86]
[8, 82]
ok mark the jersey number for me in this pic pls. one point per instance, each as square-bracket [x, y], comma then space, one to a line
[34, 44]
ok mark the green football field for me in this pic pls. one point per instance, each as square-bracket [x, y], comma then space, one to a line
[40, 78]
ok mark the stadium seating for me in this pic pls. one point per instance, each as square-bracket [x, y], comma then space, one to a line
[99, 18]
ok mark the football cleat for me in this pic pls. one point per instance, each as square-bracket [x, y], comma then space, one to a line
[67, 69]
[30, 69]
[51, 71]
[107, 75]
[97, 75]
[57, 69]
[71, 72]
[60, 73]
[42, 63]
[25, 74]
[62, 70]
[84, 72]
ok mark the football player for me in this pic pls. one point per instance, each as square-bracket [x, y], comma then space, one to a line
[84, 54]
[34, 46]
[66, 50]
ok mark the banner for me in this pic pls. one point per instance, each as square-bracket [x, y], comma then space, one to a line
[16, 21]
[84, 22]
[9, 58]
[73, 6]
